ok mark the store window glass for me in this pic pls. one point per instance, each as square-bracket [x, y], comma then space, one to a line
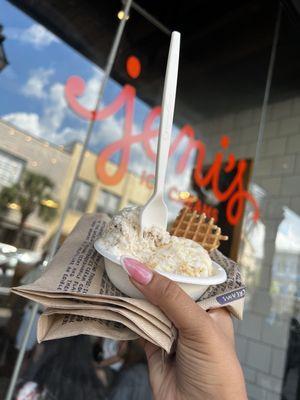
[220, 96]
[107, 202]
[268, 338]
[81, 197]
[224, 66]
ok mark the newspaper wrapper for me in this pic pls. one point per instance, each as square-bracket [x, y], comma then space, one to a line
[80, 299]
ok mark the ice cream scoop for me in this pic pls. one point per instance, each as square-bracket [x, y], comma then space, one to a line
[154, 246]
[194, 287]
[180, 259]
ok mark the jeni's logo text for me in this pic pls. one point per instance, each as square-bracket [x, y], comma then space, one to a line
[235, 194]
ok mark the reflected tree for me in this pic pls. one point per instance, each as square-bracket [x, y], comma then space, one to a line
[31, 194]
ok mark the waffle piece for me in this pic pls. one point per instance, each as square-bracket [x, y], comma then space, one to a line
[192, 225]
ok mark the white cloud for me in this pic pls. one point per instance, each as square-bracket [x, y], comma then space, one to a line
[69, 135]
[37, 82]
[92, 89]
[28, 122]
[287, 243]
[35, 34]
[55, 110]
[106, 130]
[288, 234]
[49, 125]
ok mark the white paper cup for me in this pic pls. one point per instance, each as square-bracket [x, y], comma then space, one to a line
[194, 287]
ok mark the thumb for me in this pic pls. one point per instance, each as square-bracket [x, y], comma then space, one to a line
[167, 295]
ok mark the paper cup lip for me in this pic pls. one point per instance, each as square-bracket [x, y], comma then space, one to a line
[218, 277]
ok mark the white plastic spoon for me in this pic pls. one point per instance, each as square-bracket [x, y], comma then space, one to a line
[155, 212]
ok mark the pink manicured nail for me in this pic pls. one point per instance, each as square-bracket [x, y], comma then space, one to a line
[136, 270]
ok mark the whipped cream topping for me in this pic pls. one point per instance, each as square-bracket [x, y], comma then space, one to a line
[155, 247]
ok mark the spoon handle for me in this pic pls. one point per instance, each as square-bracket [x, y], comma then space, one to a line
[167, 113]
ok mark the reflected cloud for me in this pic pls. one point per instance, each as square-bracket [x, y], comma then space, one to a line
[37, 82]
[285, 267]
[29, 122]
[36, 35]
[288, 235]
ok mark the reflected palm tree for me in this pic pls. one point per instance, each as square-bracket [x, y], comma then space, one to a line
[32, 193]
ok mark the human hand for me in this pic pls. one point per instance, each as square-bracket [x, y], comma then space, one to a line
[205, 365]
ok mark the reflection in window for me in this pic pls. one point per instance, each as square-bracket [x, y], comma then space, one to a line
[285, 295]
[107, 202]
[11, 169]
[8, 234]
[131, 204]
[288, 235]
[252, 240]
[285, 274]
[81, 196]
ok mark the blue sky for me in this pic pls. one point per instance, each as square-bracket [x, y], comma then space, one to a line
[32, 93]
[32, 84]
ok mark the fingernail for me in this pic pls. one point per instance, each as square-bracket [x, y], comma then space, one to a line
[136, 270]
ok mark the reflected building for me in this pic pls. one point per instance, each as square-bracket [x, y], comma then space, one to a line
[20, 151]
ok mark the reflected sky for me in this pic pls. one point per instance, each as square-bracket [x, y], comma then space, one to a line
[288, 234]
[33, 88]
